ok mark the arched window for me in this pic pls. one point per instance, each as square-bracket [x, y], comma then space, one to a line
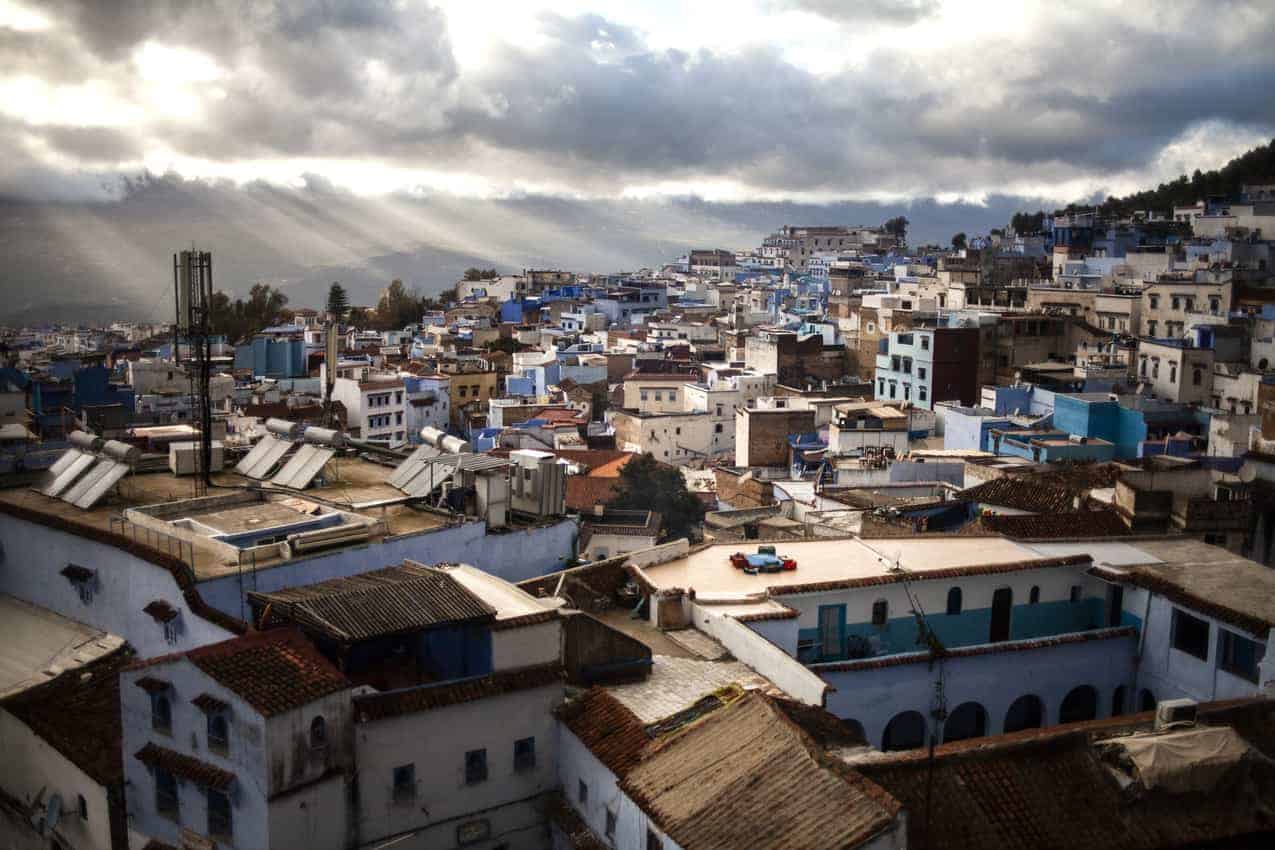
[1118, 701]
[967, 720]
[318, 733]
[1081, 703]
[906, 731]
[1197, 377]
[1026, 712]
[880, 613]
[1034, 596]
[1146, 701]
[954, 601]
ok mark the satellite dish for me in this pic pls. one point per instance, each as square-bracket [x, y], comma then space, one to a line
[52, 813]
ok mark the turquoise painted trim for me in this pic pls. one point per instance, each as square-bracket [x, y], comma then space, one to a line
[973, 626]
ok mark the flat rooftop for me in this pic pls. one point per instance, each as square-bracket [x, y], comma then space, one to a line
[37, 645]
[710, 573]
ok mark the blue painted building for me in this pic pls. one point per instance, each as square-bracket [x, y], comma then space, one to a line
[273, 357]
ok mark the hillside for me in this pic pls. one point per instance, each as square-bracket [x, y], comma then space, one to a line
[1257, 165]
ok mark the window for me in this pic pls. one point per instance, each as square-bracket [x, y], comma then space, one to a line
[405, 783]
[1197, 377]
[524, 754]
[1238, 655]
[717, 429]
[925, 343]
[462, 392]
[1076, 591]
[920, 372]
[1190, 634]
[1176, 303]
[161, 713]
[166, 802]
[220, 824]
[921, 393]
[1151, 327]
[653, 841]
[218, 734]
[907, 365]
[610, 825]
[82, 806]
[642, 395]
[954, 601]
[880, 613]
[475, 767]
[1173, 373]
[318, 733]
[582, 791]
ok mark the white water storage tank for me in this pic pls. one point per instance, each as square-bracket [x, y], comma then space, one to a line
[86, 441]
[454, 445]
[432, 436]
[283, 428]
[325, 437]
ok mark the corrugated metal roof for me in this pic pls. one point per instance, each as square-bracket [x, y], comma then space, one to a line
[382, 602]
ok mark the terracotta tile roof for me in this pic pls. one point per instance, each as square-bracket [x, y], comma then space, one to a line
[199, 772]
[747, 776]
[573, 827]
[929, 575]
[1253, 614]
[209, 703]
[274, 671]
[611, 731]
[611, 469]
[1048, 789]
[583, 491]
[405, 598]
[373, 707]
[1021, 493]
[78, 714]
[1103, 523]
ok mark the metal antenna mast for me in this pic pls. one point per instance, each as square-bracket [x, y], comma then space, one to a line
[192, 283]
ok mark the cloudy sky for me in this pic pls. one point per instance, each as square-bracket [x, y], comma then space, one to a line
[727, 101]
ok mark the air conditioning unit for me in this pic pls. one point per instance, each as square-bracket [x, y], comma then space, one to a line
[1175, 712]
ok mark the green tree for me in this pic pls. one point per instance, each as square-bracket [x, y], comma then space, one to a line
[898, 228]
[398, 307]
[240, 319]
[473, 273]
[338, 302]
[958, 241]
[646, 484]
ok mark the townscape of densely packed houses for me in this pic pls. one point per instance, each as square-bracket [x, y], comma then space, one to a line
[826, 543]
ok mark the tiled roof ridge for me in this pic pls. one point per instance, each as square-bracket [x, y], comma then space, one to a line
[932, 575]
[385, 704]
[1150, 581]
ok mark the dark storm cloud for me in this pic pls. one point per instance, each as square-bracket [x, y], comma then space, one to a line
[594, 106]
[864, 11]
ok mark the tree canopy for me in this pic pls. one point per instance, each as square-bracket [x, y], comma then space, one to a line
[338, 301]
[240, 318]
[959, 240]
[897, 227]
[472, 273]
[648, 485]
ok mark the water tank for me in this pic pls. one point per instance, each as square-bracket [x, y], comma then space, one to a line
[283, 428]
[432, 436]
[454, 445]
[123, 452]
[325, 436]
[86, 441]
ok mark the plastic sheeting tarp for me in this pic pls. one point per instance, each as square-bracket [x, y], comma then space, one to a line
[1180, 762]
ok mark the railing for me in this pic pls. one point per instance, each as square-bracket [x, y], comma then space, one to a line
[159, 541]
